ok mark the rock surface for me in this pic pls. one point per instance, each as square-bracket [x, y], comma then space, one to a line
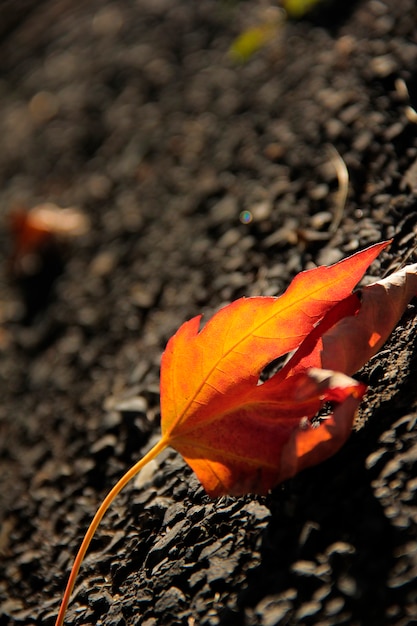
[203, 180]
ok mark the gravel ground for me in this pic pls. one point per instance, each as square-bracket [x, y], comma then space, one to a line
[135, 113]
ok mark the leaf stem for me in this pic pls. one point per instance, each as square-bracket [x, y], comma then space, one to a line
[131, 473]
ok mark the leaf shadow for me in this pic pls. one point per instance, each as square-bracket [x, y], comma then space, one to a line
[324, 542]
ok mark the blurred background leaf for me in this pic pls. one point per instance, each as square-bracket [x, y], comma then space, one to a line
[298, 8]
[253, 39]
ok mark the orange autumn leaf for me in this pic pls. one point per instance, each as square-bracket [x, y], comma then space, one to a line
[241, 436]
[228, 428]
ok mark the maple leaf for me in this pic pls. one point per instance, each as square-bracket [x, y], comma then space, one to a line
[228, 428]
[240, 435]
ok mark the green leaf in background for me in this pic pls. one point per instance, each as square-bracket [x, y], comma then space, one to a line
[298, 8]
[252, 40]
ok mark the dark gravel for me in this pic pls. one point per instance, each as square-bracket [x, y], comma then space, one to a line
[135, 113]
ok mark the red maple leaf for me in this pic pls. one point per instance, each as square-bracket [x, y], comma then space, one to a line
[240, 435]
